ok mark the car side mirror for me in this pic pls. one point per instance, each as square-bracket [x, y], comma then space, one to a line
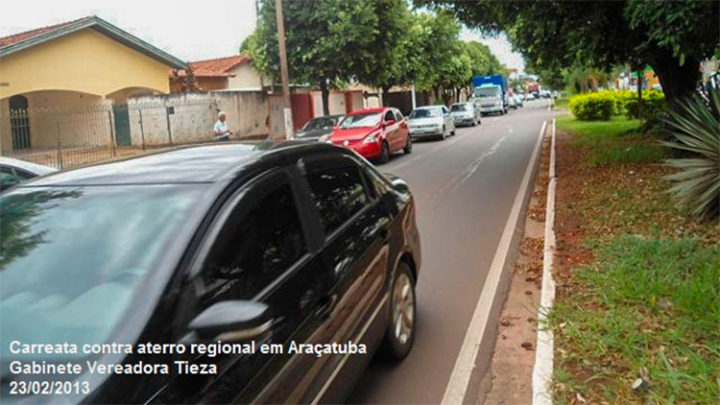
[389, 122]
[232, 321]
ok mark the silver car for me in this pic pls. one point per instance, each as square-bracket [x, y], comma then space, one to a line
[431, 121]
[465, 114]
[13, 171]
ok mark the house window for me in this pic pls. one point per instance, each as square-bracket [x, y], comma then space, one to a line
[19, 122]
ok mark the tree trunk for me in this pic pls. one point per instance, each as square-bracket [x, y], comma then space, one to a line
[677, 81]
[386, 96]
[325, 96]
[639, 92]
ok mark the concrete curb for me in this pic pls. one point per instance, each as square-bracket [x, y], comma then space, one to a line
[543, 369]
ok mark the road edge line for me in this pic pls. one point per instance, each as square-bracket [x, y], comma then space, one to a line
[459, 381]
[543, 368]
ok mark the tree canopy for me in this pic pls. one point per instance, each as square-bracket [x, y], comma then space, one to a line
[672, 37]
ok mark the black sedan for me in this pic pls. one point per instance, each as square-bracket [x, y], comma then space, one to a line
[319, 127]
[227, 273]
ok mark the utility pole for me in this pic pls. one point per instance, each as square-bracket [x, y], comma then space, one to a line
[287, 106]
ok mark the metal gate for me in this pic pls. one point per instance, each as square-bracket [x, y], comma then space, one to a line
[122, 125]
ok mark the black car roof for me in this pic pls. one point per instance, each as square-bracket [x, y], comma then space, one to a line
[197, 164]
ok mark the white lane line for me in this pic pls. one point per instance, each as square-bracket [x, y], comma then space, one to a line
[465, 362]
[543, 368]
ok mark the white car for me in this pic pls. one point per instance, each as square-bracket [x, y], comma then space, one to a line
[465, 114]
[14, 171]
[431, 121]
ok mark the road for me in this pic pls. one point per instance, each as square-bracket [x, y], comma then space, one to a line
[464, 188]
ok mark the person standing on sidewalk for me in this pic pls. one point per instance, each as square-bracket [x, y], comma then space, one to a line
[222, 133]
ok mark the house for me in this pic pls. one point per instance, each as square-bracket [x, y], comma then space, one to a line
[53, 78]
[229, 73]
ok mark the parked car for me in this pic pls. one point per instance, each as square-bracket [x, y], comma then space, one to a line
[545, 94]
[374, 133]
[512, 102]
[247, 244]
[14, 171]
[530, 96]
[518, 100]
[431, 121]
[465, 114]
[319, 127]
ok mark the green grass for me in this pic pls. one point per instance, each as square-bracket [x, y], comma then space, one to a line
[644, 303]
[562, 103]
[617, 141]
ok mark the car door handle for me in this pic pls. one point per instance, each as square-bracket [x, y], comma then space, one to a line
[326, 305]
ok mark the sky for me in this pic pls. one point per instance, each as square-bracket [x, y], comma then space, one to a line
[189, 30]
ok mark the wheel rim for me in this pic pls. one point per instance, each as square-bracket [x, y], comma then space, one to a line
[403, 309]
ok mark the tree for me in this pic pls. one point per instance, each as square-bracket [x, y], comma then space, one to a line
[672, 37]
[438, 42]
[328, 41]
[392, 58]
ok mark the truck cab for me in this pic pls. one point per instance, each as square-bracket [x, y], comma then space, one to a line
[491, 99]
[491, 94]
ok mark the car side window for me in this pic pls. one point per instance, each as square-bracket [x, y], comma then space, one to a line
[398, 116]
[389, 116]
[338, 192]
[257, 244]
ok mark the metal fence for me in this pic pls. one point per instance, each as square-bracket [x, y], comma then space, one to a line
[68, 137]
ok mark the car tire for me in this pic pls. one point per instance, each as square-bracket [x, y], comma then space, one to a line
[384, 153]
[452, 133]
[443, 136]
[400, 333]
[408, 146]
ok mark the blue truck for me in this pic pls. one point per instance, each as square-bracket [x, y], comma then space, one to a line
[491, 94]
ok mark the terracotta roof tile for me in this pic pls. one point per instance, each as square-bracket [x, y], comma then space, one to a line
[23, 36]
[219, 67]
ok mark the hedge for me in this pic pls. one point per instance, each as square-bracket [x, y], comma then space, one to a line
[602, 105]
[594, 106]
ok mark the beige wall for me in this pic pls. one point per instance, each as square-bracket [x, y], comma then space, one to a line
[79, 120]
[246, 77]
[85, 61]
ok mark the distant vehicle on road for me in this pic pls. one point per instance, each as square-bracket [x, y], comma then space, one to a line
[14, 172]
[518, 100]
[512, 102]
[374, 133]
[545, 94]
[319, 127]
[491, 92]
[465, 114]
[223, 248]
[431, 121]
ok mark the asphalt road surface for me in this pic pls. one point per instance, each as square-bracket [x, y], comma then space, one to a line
[464, 189]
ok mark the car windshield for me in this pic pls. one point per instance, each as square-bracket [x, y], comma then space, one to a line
[361, 120]
[321, 123]
[459, 107]
[484, 92]
[73, 258]
[426, 113]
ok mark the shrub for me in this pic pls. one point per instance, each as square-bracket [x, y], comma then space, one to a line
[653, 104]
[696, 129]
[593, 106]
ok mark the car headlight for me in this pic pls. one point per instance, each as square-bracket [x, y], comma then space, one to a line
[325, 138]
[370, 139]
[497, 103]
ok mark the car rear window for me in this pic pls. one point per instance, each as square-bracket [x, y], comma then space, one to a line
[338, 192]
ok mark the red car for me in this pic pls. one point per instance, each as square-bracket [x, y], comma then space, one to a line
[374, 133]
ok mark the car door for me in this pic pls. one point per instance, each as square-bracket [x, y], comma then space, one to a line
[259, 249]
[449, 123]
[403, 129]
[391, 131]
[356, 229]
